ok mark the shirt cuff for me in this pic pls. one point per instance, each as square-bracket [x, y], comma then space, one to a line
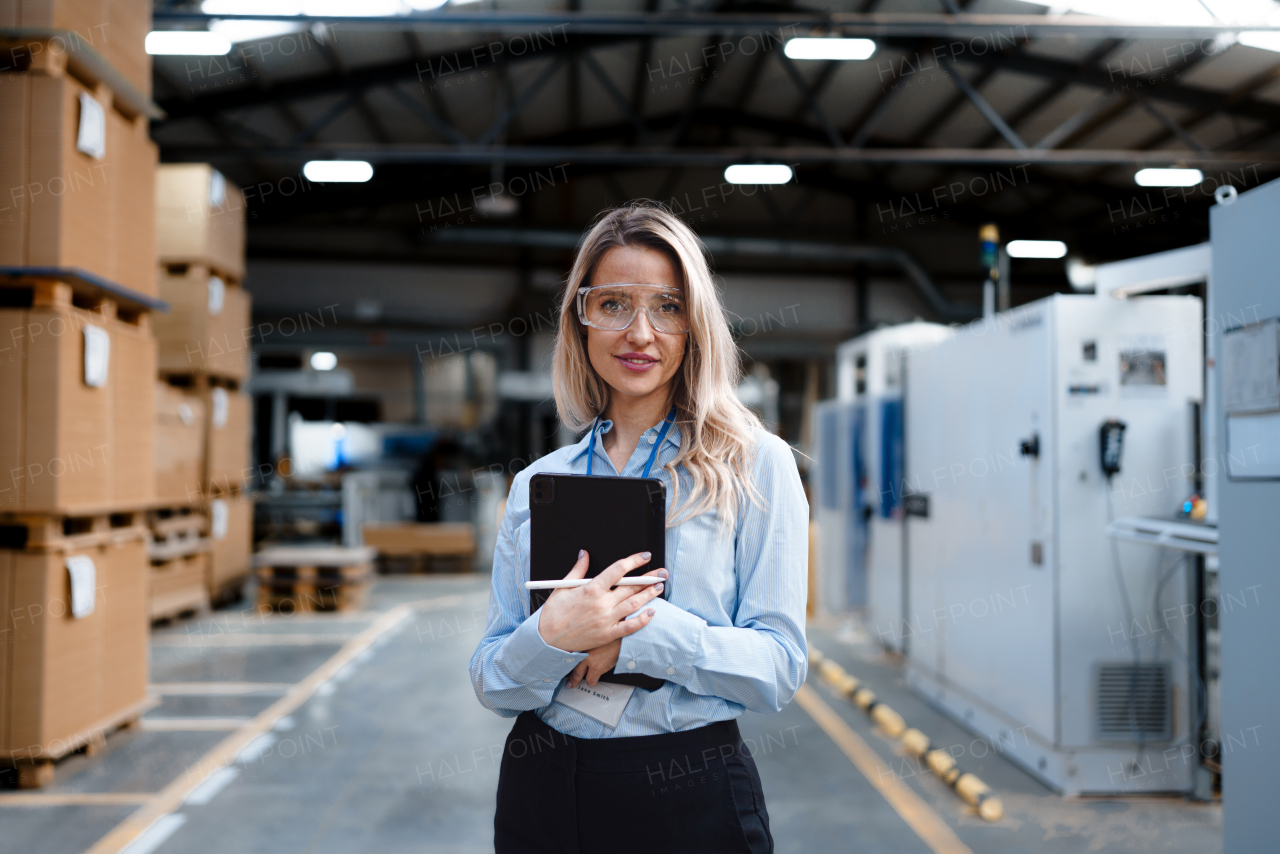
[667, 648]
[530, 659]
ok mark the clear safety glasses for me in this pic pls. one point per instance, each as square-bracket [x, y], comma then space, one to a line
[614, 307]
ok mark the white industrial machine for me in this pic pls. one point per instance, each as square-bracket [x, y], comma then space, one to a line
[1070, 651]
[858, 461]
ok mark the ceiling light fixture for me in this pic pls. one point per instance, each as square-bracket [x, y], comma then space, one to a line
[829, 48]
[1036, 249]
[758, 173]
[186, 43]
[338, 171]
[1168, 177]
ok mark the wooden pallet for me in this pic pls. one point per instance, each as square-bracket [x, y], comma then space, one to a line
[48, 287]
[177, 532]
[199, 381]
[36, 768]
[301, 597]
[49, 531]
[315, 578]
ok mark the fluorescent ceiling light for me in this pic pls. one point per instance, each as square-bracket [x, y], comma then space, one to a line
[1245, 13]
[1168, 177]
[324, 361]
[758, 173]
[829, 48]
[1267, 40]
[1036, 249]
[337, 171]
[186, 43]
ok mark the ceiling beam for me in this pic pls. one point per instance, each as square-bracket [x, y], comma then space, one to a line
[713, 157]
[873, 25]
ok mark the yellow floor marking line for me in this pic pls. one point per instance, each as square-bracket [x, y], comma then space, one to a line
[216, 689]
[926, 823]
[172, 796]
[192, 724]
[75, 799]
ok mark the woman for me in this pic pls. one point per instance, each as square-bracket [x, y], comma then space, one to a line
[645, 359]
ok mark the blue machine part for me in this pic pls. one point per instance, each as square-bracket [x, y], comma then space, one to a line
[891, 457]
[828, 431]
[859, 460]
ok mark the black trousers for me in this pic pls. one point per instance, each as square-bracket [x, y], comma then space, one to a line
[695, 791]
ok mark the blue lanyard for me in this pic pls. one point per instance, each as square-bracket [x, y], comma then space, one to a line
[653, 455]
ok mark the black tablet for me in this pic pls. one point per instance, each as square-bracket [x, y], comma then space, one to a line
[610, 517]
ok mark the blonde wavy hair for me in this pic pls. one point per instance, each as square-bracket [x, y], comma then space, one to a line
[718, 433]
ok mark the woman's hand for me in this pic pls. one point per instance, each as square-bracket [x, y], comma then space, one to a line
[598, 662]
[591, 616]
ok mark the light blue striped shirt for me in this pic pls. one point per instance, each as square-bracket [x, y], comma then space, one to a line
[729, 636]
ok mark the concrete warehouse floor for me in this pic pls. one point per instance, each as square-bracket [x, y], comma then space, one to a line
[359, 732]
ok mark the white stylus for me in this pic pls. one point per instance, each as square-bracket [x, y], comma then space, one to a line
[636, 580]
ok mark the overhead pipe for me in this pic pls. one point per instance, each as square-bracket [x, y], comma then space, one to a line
[798, 250]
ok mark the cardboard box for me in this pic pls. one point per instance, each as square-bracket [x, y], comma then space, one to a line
[133, 402]
[65, 680]
[208, 327]
[75, 200]
[177, 586]
[200, 218]
[229, 417]
[90, 19]
[181, 422]
[131, 170]
[60, 213]
[129, 21]
[231, 533]
[400, 539]
[67, 445]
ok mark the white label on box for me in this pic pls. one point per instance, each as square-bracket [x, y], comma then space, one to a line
[84, 584]
[97, 356]
[221, 402]
[92, 136]
[604, 703]
[217, 189]
[186, 414]
[219, 515]
[217, 295]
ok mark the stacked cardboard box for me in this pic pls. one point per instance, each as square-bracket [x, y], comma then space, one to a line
[77, 354]
[204, 350]
[76, 664]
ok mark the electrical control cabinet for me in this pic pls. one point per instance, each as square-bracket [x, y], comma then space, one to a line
[859, 446]
[1068, 651]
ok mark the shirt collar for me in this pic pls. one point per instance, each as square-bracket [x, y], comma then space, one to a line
[673, 436]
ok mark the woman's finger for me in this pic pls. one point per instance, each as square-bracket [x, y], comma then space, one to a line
[635, 624]
[636, 601]
[580, 568]
[594, 673]
[623, 591]
[578, 571]
[610, 576]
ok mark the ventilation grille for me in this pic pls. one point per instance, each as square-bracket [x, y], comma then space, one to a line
[1133, 702]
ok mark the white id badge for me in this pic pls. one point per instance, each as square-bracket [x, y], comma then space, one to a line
[604, 703]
